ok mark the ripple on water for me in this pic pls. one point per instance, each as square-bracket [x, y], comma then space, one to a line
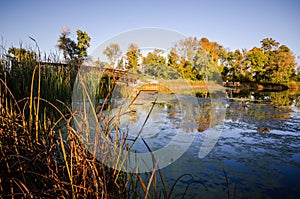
[262, 165]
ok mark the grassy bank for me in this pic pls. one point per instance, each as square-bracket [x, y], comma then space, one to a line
[190, 87]
[255, 86]
[183, 86]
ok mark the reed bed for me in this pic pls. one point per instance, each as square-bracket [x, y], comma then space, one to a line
[41, 154]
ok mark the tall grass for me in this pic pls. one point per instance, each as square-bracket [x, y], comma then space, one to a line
[41, 153]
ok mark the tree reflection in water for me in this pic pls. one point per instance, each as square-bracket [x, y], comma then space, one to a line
[266, 110]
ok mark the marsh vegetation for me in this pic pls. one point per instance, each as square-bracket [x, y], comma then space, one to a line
[44, 132]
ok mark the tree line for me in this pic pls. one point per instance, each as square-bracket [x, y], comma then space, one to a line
[201, 59]
[192, 59]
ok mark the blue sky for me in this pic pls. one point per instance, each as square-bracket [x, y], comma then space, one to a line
[234, 24]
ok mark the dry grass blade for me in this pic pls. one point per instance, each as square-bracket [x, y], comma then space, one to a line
[227, 184]
[150, 182]
[11, 95]
[144, 123]
[31, 99]
[66, 162]
[175, 183]
[38, 103]
[22, 187]
[155, 166]
[234, 192]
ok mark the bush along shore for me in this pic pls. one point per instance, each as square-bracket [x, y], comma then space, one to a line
[254, 86]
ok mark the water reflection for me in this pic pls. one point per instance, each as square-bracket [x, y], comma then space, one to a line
[262, 165]
[285, 98]
[170, 115]
[260, 115]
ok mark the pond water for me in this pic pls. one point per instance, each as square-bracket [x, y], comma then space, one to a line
[257, 145]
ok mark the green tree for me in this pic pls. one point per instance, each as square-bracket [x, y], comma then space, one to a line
[238, 68]
[154, 57]
[280, 65]
[67, 45]
[235, 68]
[188, 71]
[257, 61]
[297, 70]
[72, 51]
[173, 64]
[21, 54]
[83, 43]
[228, 72]
[204, 66]
[153, 64]
[269, 44]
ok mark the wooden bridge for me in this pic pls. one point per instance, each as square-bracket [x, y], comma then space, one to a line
[116, 74]
[121, 75]
[154, 87]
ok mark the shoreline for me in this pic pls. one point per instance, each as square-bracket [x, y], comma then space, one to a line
[263, 87]
[180, 86]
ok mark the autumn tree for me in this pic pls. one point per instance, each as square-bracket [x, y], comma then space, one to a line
[215, 51]
[133, 55]
[269, 44]
[112, 53]
[297, 70]
[282, 64]
[196, 60]
[173, 58]
[187, 48]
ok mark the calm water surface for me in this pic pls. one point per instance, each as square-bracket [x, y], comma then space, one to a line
[259, 165]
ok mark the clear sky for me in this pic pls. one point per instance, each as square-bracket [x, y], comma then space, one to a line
[233, 24]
